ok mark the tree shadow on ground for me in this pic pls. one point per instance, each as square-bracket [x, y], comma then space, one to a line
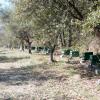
[4, 59]
[24, 75]
[83, 71]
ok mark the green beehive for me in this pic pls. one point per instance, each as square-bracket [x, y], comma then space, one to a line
[86, 55]
[95, 59]
[40, 49]
[46, 49]
[33, 48]
[74, 53]
[67, 52]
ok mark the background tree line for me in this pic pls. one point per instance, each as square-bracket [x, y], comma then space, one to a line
[56, 23]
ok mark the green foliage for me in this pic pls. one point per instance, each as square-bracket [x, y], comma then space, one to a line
[45, 20]
[92, 20]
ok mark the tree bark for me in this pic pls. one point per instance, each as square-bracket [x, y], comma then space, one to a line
[53, 47]
[63, 39]
[69, 38]
[80, 16]
[63, 43]
[29, 47]
[52, 53]
[22, 42]
[22, 45]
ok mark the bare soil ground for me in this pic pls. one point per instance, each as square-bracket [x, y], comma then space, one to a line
[34, 77]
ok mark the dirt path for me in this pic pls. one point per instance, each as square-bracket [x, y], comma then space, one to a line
[34, 79]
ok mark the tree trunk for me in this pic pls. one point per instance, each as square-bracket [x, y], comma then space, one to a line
[22, 42]
[29, 47]
[22, 45]
[53, 48]
[63, 39]
[52, 53]
[69, 38]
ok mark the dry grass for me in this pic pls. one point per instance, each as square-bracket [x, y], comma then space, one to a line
[34, 77]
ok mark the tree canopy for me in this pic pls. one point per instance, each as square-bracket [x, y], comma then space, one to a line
[69, 21]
